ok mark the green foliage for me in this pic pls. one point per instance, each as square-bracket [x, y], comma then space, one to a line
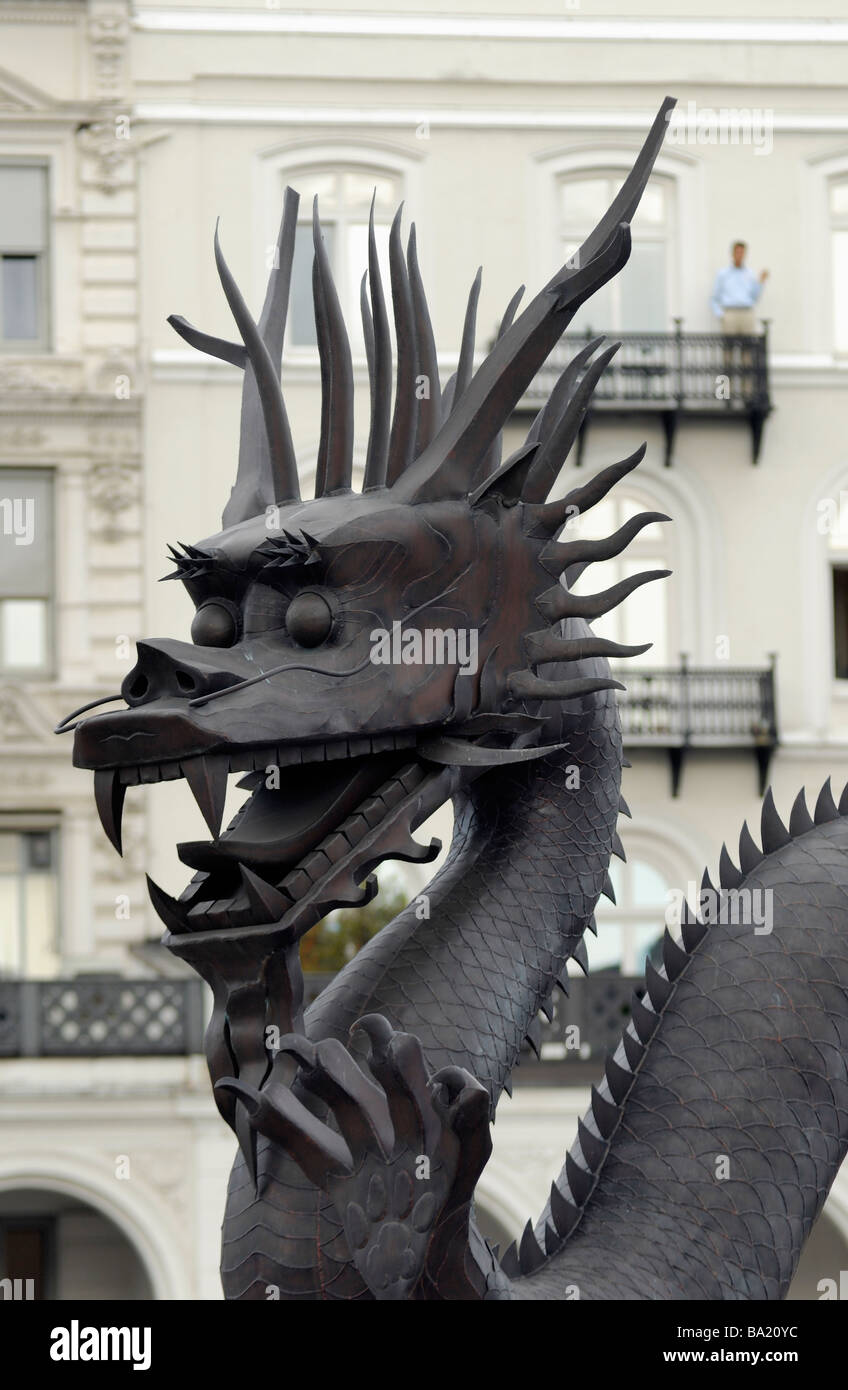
[337, 938]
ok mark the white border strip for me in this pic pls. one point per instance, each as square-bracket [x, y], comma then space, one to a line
[478, 27]
[409, 118]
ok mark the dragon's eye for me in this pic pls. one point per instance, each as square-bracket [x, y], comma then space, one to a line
[309, 619]
[214, 625]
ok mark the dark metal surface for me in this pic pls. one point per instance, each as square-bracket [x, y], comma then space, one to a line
[363, 1120]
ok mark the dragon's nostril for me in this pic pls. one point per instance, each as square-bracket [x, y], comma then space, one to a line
[186, 681]
[139, 687]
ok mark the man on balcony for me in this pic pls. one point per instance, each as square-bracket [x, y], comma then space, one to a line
[735, 292]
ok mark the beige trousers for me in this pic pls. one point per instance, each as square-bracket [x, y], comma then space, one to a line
[736, 321]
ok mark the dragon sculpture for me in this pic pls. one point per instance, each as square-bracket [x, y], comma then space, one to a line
[363, 1123]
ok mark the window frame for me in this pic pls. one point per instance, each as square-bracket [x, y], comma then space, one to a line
[20, 825]
[48, 670]
[17, 347]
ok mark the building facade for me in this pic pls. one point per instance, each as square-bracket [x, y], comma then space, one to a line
[125, 131]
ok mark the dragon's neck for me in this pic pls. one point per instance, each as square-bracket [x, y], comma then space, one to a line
[527, 865]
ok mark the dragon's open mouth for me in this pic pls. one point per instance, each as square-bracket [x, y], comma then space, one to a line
[319, 818]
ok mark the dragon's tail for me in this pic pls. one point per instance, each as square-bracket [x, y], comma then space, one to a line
[712, 1143]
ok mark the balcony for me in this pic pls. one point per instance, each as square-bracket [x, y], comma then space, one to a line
[671, 375]
[100, 1017]
[89, 1017]
[706, 707]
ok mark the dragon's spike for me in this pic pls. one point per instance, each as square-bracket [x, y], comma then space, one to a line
[592, 925]
[551, 1239]
[335, 454]
[534, 1036]
[728, 874]
[404, 419]
[624, 809]
[692, 928]
[826, 808]
[618, 847]
[645, 1020]
[465, 366]
[557, 445]
[579, 954]
[706, 881]
[530, 1253]
[524, 685]
[449, 467]
[552, 516]
[507, 481]
[225, 351]
[843, 801]
[750, 854]
[379, 369]
[619, 1079]
[492, 457]
[429, 407]
[605, 1112]
[592, 1148]
[559, 556]
[448, 396]
[579, 1180]
[547, 1008]
[773, 831]
[510, 1263]
[563, 388]
[562, 603]
[633, 1049]
[564, 1213]
[267, 470]
[608, 891]
[800, 820]
[675, 958]
[549, 646]
[659, 987]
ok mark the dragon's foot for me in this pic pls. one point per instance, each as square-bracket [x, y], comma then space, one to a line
[400, 1168]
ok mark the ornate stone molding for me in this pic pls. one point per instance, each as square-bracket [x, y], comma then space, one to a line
[108, 33]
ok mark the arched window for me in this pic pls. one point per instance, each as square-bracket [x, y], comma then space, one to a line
[646, 615]
[630, 929]
[640, 298]
[344, 202]
[838, 208]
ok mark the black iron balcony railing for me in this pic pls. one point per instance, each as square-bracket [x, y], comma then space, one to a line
[100, 1017]
[107, 1017]
[671, 375]
[688, 707]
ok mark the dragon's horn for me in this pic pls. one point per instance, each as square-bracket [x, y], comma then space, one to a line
[335, 451]
[448, 466]
[267, 468]
[378, 348]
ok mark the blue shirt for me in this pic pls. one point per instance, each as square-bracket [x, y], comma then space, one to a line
[736, 287]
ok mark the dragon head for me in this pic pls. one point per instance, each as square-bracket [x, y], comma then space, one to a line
[358, 657]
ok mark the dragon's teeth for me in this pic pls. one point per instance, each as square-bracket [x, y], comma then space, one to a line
[263, 898]
[207, 777]
[109, 793]
[171, 912]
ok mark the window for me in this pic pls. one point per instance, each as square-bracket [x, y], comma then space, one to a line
[631, 929]
[838, 199]
[344, 203]
[28, 903]
[26, 1257]
[26, 571]
[638, 300]
[23, 256]
[644, 615]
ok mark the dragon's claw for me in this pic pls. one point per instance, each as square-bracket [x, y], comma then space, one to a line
[401, 1164]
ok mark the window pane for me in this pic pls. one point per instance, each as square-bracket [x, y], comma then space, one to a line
[26, 533]
[583, 202]
[40, 915]
[840, 623]
[642, 285]
[651, 209]
[840, 290]
[24, 623]
[604, 950]
[301, 313]
[9, 854]
[359, 190]
[19, 297]
[649, 886]
[23, 207]
[322, 186]
[839, 198]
